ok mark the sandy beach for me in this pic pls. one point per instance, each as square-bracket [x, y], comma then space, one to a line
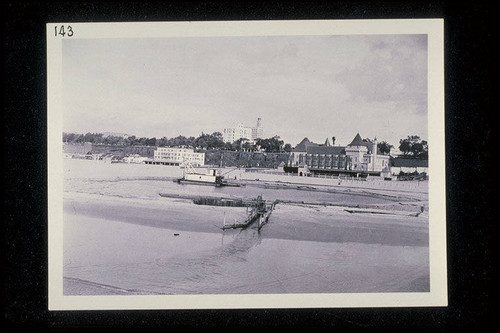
[121, 237]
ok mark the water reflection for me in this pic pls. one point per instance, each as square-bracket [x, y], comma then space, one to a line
[305, 249]
[224, 263]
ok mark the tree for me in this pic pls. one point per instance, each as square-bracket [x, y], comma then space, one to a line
[190, 141]
[132, 139]
[163, 142]
[413, 146]
[287, 148]
[112, 140]
[209, 141]
[420, 149]
[216, 140]
[80, 139]
[247, 146]
[150, 141]
[270, 145]
[69, 137]
[237, 145]
[384, 147]
[89, 137]
[178, 141]
[217, 136]
[201, 141]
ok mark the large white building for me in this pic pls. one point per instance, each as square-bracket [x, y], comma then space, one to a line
[359, 155]
[232, 134]
[365, 155]
[177, 156]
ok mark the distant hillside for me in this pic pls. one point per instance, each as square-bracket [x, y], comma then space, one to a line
[212, 157]
[77, 148]
[122, 135]
[122, 151]
[245, 159]
[117, 150]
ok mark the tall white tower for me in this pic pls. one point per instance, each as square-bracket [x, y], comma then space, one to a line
[258, 131]
[374, 154]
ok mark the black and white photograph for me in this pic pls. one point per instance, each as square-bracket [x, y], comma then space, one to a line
[246, 164]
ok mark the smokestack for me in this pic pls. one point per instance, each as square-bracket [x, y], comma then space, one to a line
[333, 141]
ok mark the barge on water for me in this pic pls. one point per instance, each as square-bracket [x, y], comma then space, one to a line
[208, 177]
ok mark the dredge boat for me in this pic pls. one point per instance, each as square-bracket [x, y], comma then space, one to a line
[260, 211]
[208, 177]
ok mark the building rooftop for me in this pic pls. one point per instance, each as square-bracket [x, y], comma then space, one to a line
[328, 150]
[303, 145]
[358, 141]
[313, 148]
[409, 162]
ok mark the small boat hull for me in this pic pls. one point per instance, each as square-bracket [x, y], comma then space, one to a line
[198, 182]
[202, 182]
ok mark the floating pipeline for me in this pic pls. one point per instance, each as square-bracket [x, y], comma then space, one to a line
[220, 202]
[211, 200]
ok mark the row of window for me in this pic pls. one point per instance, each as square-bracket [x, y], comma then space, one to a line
[163, 150]
[180, 155]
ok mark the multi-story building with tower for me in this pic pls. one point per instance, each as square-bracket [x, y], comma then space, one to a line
[361, 155]
[231, 134]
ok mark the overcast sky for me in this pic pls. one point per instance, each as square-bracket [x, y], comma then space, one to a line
[301, 86]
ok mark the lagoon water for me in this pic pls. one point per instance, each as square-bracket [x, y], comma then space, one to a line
[121, 237]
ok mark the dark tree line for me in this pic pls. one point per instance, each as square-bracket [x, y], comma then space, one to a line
[414, 147]
[98, 138]
[384, 147]
[204, 141]
[270, 145]
[411, 147]
[177, 141]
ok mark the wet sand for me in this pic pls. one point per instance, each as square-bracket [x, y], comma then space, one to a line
[122, 258]
[298, 222]
[122, 238]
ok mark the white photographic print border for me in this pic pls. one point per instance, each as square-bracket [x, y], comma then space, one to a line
[433, 28]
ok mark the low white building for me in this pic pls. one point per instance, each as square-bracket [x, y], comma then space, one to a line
[135, 158]
[177, 156]
[409, 165]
